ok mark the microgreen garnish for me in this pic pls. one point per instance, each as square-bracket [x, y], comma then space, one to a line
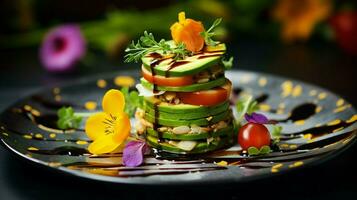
[228, 64]
[147, 44]
[253, 151]
[207, 35]
[276, 131]
[67, 118]
[132, 101]
[245, 105]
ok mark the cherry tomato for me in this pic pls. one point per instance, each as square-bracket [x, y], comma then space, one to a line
[207, 97]
[166, 81]
[344, 25]
[253, 135]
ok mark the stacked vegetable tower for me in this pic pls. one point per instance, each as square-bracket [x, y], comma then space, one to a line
[190, 112]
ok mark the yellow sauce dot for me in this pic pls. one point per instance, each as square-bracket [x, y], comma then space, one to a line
[32, 149]
[124, 81]
[5, 134]
[262, 81]
[334, 122]
[101, 83]
[281, 105]
[222, 163]
[296, 164]
[277, 166]
[27, 136]
[27, 108]
[273, 170]
[297, 91]
[318, 125]
[287, 88]
[35, 112]
[293, 146]
[52, 135]
[340, 102]
[337, 129]
[311, 141]
[56, 90]
[90, 105]
[280, 111]
[58, 98]
[38, 136]
[312, 92]
[264, 107]
[54, 164]
[284, 146]
[308, 136]
[352, 119]
[318, 109]
[322, 95]
[81, 142]
[299, 122]
[342, 108]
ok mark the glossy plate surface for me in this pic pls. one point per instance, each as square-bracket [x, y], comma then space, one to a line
[317, 125]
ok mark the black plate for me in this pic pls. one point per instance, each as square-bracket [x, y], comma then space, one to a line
[317, 125]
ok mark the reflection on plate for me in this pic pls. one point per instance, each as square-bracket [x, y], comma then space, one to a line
[316, 123]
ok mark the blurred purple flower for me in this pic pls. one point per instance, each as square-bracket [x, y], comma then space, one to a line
[256, 118]
[133, 154]
[62, 47]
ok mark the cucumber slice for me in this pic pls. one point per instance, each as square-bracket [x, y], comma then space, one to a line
[181, 108]
[188, 114]
[194, 64]
[188, 88]
[199, 122]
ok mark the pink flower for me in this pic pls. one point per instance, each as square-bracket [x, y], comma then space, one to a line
[133, 154]
[62, 48]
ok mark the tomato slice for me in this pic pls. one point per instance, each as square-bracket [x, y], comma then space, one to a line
[166, 81]
[207, 97]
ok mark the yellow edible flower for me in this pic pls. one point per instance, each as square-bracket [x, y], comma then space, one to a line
[298, 17]
[110, 128]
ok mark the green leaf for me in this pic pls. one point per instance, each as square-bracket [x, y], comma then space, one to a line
[67, 119]
[253, 151]
[228, 64]
[245, 105]
[132, 101]
[264, 150]
[276, 130]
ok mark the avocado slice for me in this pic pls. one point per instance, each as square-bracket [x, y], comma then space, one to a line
[199, 122]
[191, 136]
[188, 115]
[181, 108]
[188, 88]
[201, 147]
[193, 64]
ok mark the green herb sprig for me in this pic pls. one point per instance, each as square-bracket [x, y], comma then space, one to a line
[147, 44]
[132, 101]
[67, 118]
[207, 35]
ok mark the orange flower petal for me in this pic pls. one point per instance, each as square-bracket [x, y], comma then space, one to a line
[103, 144]
[122, 128]
[113, 102]
[188, 32]
[95, 126]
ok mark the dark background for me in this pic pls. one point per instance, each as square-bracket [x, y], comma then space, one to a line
[317, 61]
